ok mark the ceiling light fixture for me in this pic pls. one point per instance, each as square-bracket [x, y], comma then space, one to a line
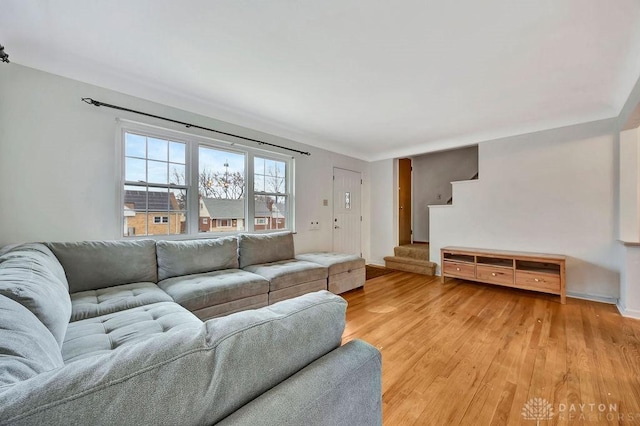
[3, 56]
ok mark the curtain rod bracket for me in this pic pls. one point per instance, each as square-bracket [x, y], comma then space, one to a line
[94, 102]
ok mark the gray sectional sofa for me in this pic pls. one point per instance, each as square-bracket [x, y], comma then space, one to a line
[113, 333]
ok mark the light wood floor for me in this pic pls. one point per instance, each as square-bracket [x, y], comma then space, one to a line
[462, 353]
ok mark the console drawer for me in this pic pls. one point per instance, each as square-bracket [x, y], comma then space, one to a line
[491, 274]
[538, 281]
[459, 269]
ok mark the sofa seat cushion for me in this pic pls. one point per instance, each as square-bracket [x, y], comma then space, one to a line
[103, 334]
[336, 262]
[288, 273]
[296, 290]
[199, 291]
[27, 347]
[32, 276]
[93, 303]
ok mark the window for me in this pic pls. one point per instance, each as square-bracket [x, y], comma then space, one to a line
[155, 193]
[176, 183]
[224, 223]
[270, 193]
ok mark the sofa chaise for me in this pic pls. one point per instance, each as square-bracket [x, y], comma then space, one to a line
[113, 333]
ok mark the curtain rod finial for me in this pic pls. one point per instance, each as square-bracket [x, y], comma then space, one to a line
[90, 101]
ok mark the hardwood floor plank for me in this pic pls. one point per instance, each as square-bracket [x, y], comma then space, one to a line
[463, 353]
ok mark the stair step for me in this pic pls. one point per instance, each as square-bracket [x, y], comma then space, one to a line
[413, 251]
[408, 264]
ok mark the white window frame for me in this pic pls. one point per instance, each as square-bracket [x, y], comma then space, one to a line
[193, 142]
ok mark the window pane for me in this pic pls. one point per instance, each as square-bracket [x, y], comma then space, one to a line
[177, 174]
[178, 199]
[270, 212]
[135, 223]
[279, 185]
[157, 149]
[269, 176]
[177, 223]
[135, 145]
[135, 197]
[158, 200]
[221, 174]
[177, 152]
[258, 165]
[135, 170]
[258, 183]
[157, 172]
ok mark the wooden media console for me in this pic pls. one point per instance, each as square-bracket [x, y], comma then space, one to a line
[528, 271]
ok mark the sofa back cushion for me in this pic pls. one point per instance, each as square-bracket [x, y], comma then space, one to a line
[27, 347]
[32, 276]
[90, 265]
[265, 248]
[176, 258]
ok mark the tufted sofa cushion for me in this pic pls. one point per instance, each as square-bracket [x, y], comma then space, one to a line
[95, 336]
[288, 273]
[90, 265]
[176, 258]
[265, 248]
[27, 347]
[32, 276]
[199, 291]
[93, 303]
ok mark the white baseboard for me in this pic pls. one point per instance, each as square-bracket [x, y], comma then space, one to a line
[593, 297]
[629, 313]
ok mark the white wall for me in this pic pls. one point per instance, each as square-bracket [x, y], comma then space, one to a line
[384, 212]
[432, 177]
[552, 191]
[629, 186]
[58, 165]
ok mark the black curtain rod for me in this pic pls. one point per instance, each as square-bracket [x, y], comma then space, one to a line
[99, 104]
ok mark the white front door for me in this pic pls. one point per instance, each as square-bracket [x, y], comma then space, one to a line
[347, 219]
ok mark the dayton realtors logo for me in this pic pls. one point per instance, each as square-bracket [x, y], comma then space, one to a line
[537, 409]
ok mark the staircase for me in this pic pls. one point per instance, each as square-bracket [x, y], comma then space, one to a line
[411, 258]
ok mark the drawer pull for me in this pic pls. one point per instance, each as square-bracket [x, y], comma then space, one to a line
[493, 274]
[538, 280]
[457, 269]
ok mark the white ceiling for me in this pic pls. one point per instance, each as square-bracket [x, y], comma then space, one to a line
[373, 79]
